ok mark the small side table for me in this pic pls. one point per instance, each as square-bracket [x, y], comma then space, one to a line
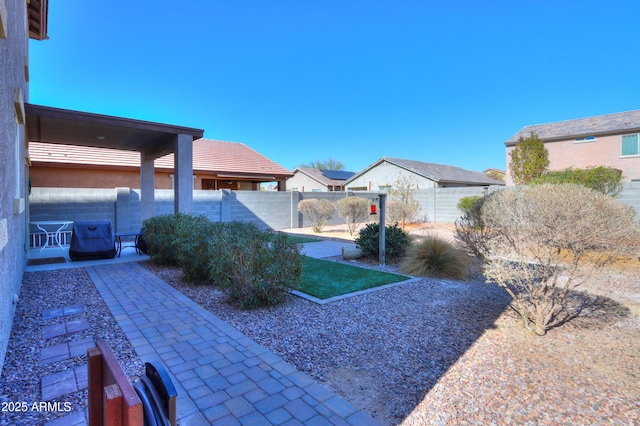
[59, 225]
[119, 245]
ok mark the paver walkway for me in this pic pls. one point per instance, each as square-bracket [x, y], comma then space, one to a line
[221, 375]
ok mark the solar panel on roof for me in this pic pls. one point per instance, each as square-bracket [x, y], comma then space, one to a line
[337, 174]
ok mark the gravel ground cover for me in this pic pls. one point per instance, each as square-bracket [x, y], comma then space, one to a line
[427, 352]
[22, 371]
[452, 352]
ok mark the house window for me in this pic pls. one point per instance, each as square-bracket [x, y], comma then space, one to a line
[586, 139]
[630, 145]
[384, 187]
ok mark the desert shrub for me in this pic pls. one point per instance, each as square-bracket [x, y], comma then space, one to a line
[402, 207]
[396, 241]
[257, 268]
[318, 211]
[435, 256]
[354, 210]
[466, 204]
[546, 240]
[471, 232]
[196, 238]
[399, 212]
[160, 235]
[602, 179]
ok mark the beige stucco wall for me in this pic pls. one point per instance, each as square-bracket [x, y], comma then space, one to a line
[58, 177]
[301, 182]
[604, 151]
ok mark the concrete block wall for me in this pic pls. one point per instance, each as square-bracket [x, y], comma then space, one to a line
[303, 220]
[73, 204]
[265, 209]
[630, 195]
[277, 210]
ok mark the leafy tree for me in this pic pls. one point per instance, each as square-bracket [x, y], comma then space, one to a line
[494, 174]
[329, 164]
[543, 241]
[529, 159]
[354, 210]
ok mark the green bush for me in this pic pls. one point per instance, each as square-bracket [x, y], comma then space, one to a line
[257, 268]
[396, 241]
[196, 238]
[606, 180]
[471, 231]
[466, 204]
[434, 256]
[160, 235]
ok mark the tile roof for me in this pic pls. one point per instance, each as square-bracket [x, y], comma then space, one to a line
[326, 177]
[440, 173]
[599, 124]
[211, 156]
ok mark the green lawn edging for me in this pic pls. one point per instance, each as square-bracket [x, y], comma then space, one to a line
[324, 279]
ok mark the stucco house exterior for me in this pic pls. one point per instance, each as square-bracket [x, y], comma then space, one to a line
[19, 21]
[381, 176]
[310, 179]
[611, 140]
[216, 165]
[21, 122]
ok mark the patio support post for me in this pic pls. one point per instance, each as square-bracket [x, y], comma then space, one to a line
[183, 167]
[147, 185]
[383, 231]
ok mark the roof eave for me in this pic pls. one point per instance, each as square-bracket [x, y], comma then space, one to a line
[38, 19]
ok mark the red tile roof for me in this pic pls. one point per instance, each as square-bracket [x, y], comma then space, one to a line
[210, 156]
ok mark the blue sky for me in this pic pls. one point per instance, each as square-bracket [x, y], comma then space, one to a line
[437, 81]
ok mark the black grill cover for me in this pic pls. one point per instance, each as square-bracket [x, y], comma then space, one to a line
[92, 239]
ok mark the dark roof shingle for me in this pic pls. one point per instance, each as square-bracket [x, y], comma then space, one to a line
[610, 123]
[439, 173]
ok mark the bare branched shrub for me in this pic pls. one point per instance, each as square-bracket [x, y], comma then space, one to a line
[402, 207]
[471, 232]
[354, 210]
[318, 211]
[546, 240]
[435, 256]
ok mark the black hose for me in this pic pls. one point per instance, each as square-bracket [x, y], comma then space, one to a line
[147, 405]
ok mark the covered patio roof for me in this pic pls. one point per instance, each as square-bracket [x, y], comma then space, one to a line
[55, 125]
[152, 140]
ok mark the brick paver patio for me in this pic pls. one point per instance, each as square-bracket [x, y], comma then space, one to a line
[221, 375]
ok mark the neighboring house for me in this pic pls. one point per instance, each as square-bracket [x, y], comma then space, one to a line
[611, 140]
[216, 165]
[497, 174]
[384, 173]
[14, 93]
[310, 179]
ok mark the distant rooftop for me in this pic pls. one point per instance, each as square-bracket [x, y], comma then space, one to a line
[326, 177]
[610, 123]
[440, 173]
[337, 174]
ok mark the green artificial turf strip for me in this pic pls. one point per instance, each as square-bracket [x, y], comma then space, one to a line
[302, 239]
[298, 239]
[324, 279]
